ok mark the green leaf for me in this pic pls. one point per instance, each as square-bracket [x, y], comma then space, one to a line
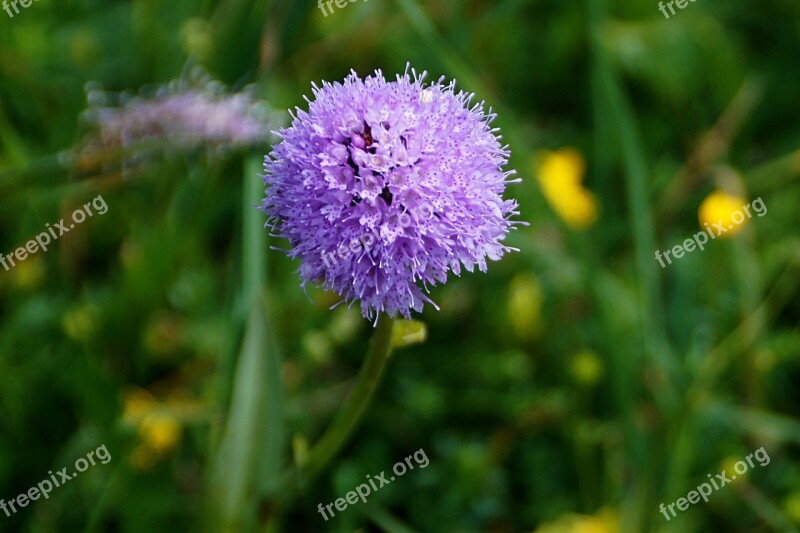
[250, 453]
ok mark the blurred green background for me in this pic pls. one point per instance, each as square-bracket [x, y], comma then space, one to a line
[574, 387]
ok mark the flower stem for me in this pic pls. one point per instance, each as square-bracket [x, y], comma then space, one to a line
[348, 417]
[356, 404]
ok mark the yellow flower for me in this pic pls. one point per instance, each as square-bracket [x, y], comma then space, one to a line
[79, 323]
[160, 432]
[586, 367]
[29, 274]
[560, 175]
[138, 403]
[720, 206]
[196, 35]
[728, 465]
[524, 306]
[792, 507]
[606, 521]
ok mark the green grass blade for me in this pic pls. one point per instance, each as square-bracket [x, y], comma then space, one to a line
[251, 450]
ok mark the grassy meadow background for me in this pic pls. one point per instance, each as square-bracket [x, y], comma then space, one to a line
[574, 387]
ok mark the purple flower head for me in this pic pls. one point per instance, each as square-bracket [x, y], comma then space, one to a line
[383, 186]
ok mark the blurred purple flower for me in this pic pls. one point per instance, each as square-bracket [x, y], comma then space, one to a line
[182, 115]
[188, 118]
[370, 151]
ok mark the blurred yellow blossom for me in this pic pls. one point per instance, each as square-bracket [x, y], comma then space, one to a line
[159, 430]
[197, 39]
[792, 507]
[605, 521]
[720, 206]
[586, 367]
[28, 275]
[560, 175]
[79, 323]
[137, 404]
[728, 465]
[524, 305]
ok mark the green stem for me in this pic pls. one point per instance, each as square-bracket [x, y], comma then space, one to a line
[356, 404]
[348, 417]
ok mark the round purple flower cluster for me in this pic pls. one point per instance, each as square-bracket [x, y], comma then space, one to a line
[365, 155]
